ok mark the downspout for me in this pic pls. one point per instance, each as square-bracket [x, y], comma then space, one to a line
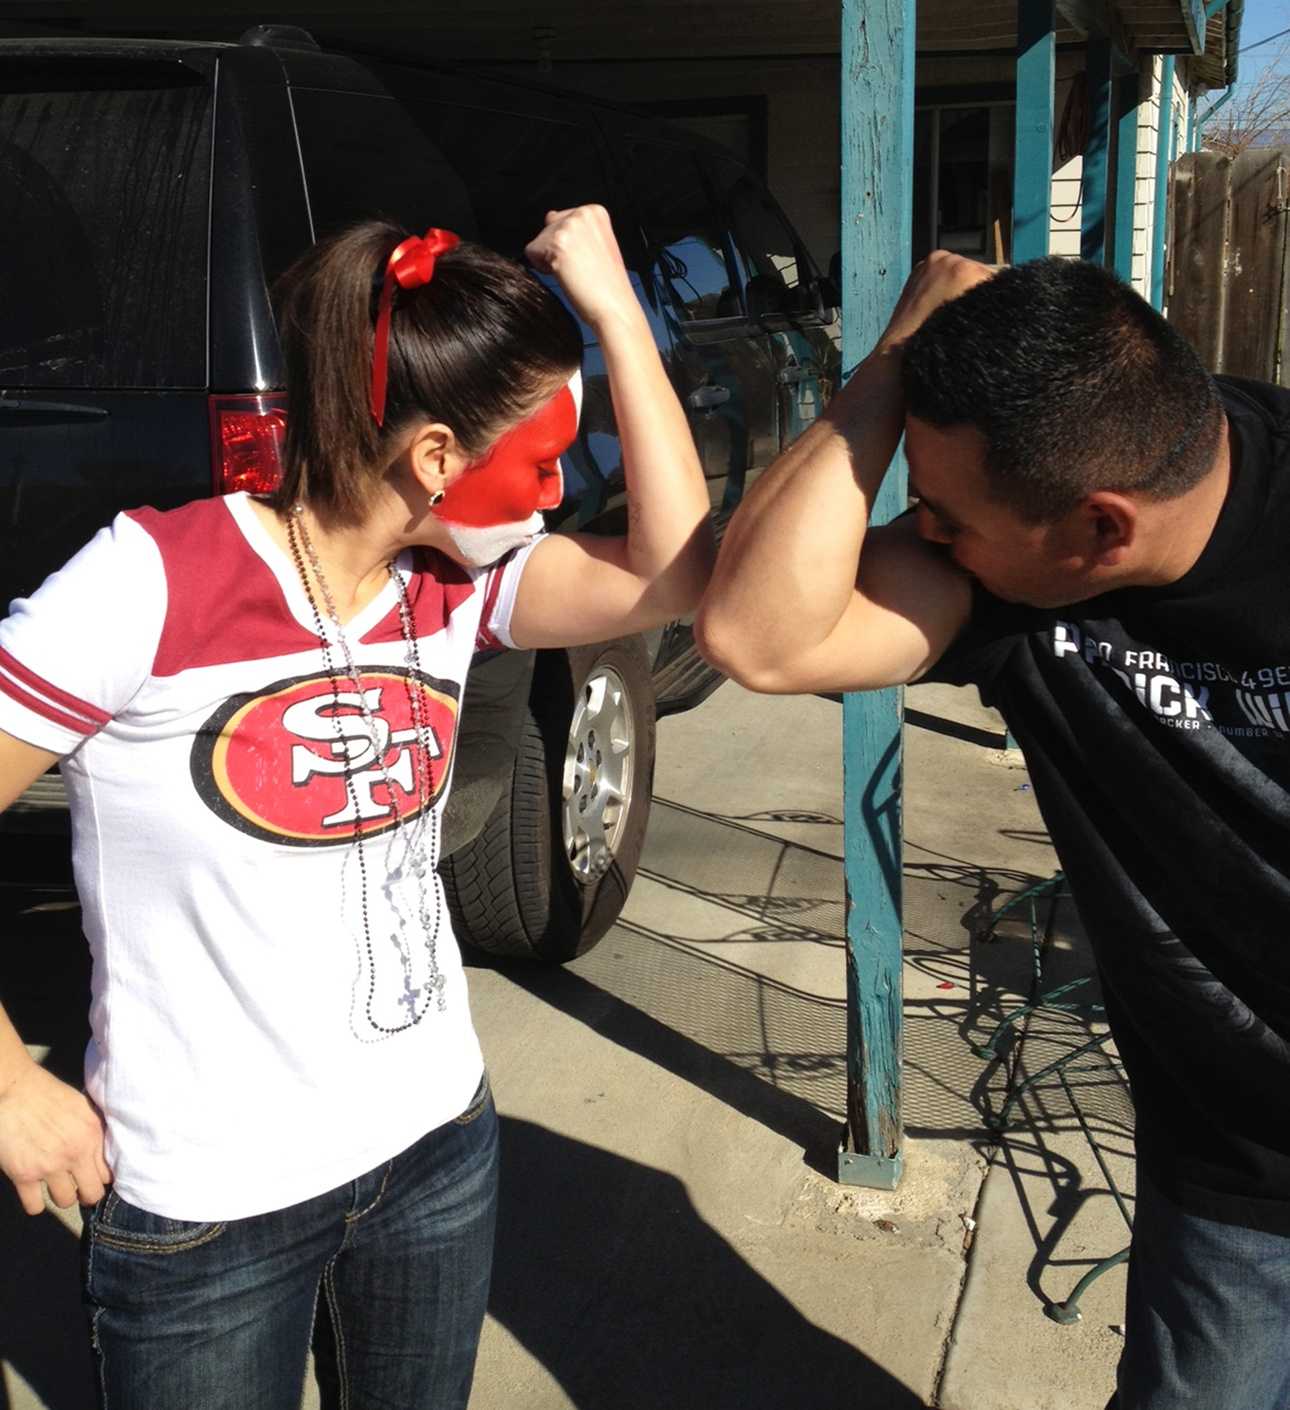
[1213, 108]
[1164, 142]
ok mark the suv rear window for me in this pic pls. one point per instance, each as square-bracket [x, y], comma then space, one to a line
[105, 166]
[364, 158]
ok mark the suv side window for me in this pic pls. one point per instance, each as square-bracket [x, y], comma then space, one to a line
[515, 166]
[687, 245]
[775, 268]
[364, 158]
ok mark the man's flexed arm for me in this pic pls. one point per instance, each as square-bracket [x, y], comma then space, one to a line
[803, 598]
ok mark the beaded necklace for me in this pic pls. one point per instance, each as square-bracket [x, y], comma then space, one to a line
[411, 842]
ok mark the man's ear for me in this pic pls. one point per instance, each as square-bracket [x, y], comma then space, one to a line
[1111, 523]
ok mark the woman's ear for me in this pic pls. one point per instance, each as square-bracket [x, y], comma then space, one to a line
[435, 457]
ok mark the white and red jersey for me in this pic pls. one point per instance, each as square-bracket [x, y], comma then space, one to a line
[253, 1042]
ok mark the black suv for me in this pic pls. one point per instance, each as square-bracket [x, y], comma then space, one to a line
[155, 189]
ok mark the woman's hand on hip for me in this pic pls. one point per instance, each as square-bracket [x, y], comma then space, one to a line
[578, 247]
[50, 1132]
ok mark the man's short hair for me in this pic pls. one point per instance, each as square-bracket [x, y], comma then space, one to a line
[1075, 381]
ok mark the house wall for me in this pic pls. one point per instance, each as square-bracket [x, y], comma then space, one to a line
[1067, 208]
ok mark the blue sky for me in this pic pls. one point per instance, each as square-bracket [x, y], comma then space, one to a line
[1262, 18]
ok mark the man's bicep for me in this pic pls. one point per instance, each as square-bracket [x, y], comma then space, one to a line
[909, 605]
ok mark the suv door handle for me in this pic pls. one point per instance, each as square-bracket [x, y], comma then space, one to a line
[705, 398]
[791, 376]
[56, 410]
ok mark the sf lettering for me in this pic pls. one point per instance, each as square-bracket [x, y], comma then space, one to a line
[351, 749]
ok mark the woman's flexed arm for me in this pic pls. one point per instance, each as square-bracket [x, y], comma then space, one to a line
[581, 587]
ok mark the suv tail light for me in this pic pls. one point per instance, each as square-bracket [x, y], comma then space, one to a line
[247, 434]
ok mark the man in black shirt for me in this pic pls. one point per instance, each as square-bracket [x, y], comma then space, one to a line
[1102, 546]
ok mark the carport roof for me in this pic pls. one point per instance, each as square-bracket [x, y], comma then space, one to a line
[510, 31]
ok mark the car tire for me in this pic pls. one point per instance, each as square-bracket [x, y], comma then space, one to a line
[550, 871]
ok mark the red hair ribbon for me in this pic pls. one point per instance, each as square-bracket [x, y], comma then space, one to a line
[410, 265]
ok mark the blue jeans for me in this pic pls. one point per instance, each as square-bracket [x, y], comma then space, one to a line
[388, 1275]
[1207, 1323]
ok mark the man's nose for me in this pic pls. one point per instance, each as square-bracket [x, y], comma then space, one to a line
[929, 526]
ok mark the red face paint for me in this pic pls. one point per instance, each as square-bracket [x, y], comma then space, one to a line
[520, 474]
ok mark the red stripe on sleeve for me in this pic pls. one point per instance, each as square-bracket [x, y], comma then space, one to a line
[45, 710]
[484, 639]
[91, 713]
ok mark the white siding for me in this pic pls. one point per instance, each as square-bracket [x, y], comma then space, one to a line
[1064, 233]
[1067, 209]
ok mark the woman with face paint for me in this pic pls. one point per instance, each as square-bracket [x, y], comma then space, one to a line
[286, 1136]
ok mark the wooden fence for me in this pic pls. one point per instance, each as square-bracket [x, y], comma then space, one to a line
[1229, 267]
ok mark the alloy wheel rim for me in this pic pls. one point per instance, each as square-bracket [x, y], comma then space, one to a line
[597, 789]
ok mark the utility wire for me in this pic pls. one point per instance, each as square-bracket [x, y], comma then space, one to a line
[1261, 42]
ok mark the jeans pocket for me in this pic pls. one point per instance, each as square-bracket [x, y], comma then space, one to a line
[118, 1224]
[477, 1103]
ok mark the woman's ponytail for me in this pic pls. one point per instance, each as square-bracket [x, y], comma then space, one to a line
[473, 348]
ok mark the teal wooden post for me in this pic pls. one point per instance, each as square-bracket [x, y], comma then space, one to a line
[1126, 173]
[1032, 182]
[1092, 239]
[1032, 171]
[1164, 146]
[877, 231]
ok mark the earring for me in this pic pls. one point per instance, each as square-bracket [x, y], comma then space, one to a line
[436, 498]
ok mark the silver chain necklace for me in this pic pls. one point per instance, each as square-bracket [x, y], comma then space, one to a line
[411, 842]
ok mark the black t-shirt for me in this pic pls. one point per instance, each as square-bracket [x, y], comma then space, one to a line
[1156, 726]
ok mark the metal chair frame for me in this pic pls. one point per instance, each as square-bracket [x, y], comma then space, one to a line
[1068, 1311]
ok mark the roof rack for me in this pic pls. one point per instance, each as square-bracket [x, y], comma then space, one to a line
[280, 36]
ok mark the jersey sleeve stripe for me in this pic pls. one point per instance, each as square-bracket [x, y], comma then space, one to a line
[500, 595]
[43, 708]
[485, 640]
[15, 669]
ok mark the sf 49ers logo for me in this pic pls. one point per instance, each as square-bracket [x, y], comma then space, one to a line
[299, 763]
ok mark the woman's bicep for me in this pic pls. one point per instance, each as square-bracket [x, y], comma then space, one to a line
[577, 588]
[21, 764]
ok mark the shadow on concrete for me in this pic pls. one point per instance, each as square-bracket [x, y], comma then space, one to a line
[773, 1052]
[952, 729]
[695, 984]
[776, 1053]
[608, 1276]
